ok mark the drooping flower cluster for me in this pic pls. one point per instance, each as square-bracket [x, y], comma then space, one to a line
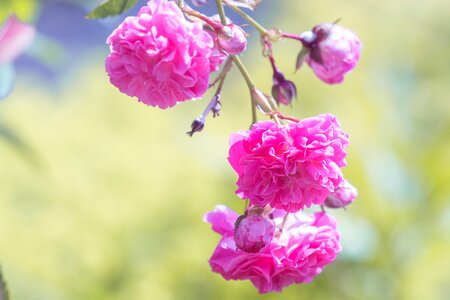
[294, 255]
[281, 170]
[165, 55]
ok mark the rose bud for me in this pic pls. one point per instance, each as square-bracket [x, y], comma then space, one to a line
[283, 91]
[252, 233]
[232, 39]
[342, 197]
[333, 51]
[197, 125]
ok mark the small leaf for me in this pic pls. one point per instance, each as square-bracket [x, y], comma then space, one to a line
[111, 8]
[301, 58]
[3, 289]
[7, 76]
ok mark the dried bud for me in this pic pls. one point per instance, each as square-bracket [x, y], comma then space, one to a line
[232, 39]
[197, 125]
[216, 108]
[252, 233]
[333, 51]
[342, 197]
[283, 91]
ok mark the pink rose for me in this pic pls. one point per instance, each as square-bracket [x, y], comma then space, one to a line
[333, 51]
[160, 57]
[296, 255]
[289, 167]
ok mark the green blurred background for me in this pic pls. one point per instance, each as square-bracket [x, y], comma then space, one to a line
[102, 197]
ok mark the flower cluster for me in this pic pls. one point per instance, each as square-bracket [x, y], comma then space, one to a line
[283, 168]
[295, 255]
[166, 55]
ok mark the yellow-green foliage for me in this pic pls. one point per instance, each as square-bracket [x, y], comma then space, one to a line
[105, 197]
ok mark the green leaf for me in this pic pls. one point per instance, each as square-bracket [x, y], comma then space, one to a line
[11, 138]
[3, 290]
[111, 8]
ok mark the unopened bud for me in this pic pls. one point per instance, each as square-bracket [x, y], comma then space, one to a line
[232, 39]
[283, 91]
[197, 125]
[342, 197]
[333, 51]
[253, 232]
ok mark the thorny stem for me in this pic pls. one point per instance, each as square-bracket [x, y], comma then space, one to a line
[214, 25]
[278, 114]
[221, 12]
[250, 84]
[284, 221]
[282, 224]
[246, 205]
[277, 119]
[242, 68]
[249, 19]
[272, 62]
[219, 87]
[244, 72]
[226, 68]
[305, 42]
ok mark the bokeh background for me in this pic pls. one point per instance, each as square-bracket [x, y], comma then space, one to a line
[102, 197]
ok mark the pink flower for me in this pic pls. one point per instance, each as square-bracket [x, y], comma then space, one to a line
[292, 166]
[15, 37]
[296, 255]
[333, 51]
[160, 57]
[342, 197]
